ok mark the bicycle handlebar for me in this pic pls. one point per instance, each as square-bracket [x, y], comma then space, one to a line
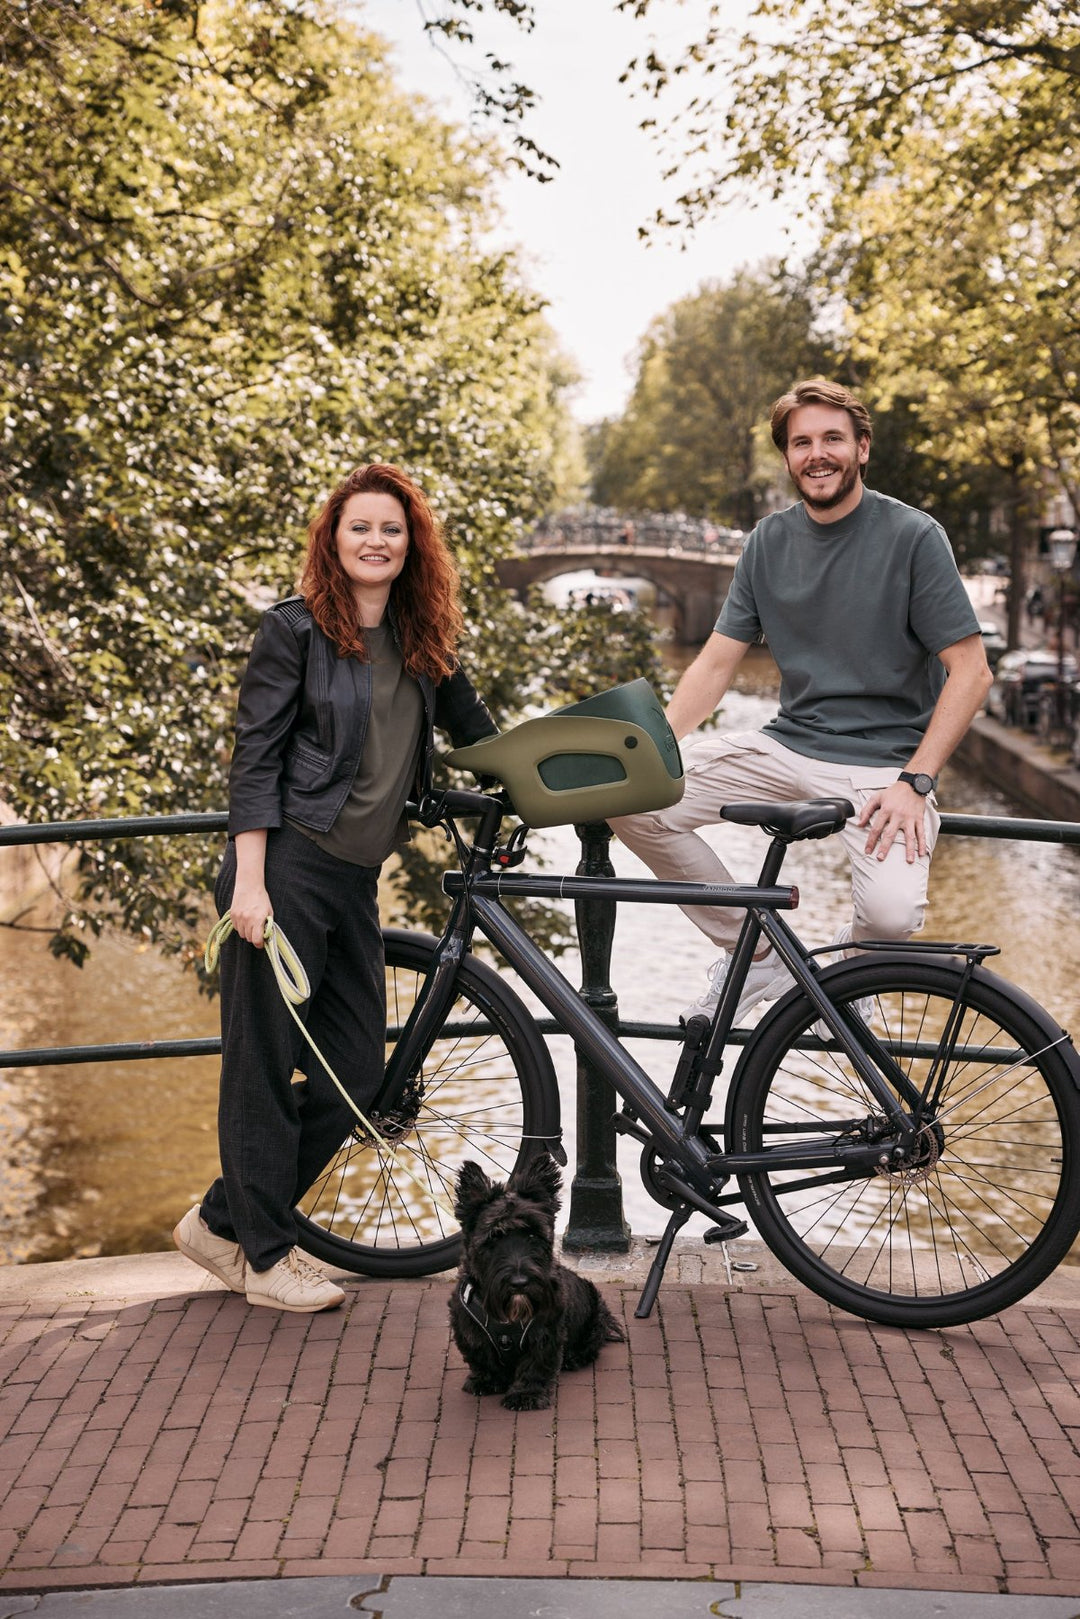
[456, 801]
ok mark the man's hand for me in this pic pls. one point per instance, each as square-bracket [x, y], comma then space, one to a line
[896, 811]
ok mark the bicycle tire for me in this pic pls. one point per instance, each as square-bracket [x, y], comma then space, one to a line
[489, 1092]
[993, 1206]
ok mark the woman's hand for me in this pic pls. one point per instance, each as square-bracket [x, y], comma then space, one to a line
[249, 910]
[251, 905]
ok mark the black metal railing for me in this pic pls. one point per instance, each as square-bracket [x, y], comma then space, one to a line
[651, 531]
[595, 1214]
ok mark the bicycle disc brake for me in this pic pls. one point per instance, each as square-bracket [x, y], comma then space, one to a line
[397, 1122]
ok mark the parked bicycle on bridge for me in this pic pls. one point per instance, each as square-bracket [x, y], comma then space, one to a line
[903, 1128]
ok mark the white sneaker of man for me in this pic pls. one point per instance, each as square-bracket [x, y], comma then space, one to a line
[295, 1284]
[766, 980]
[221, 1258]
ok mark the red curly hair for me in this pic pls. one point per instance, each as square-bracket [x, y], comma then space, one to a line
[424, 596]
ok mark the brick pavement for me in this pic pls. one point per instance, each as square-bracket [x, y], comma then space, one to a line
[739, 1435]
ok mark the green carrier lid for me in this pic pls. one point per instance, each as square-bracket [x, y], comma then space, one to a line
[612, 754]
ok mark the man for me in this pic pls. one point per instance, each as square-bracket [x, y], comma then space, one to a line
[882, 670]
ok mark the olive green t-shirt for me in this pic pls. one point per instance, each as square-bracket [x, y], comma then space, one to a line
[371, 823]
[855, 613]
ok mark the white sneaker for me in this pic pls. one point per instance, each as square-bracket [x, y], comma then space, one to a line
[221, 1258]
[766, 981]
[294, 1284]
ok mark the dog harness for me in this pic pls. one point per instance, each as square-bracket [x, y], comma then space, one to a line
[510, 1335]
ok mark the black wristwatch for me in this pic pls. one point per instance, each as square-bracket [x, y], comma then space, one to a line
[921, 782]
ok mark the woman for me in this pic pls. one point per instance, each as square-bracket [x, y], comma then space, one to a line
[334, 728]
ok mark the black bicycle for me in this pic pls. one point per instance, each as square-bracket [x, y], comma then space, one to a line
[902, 1128]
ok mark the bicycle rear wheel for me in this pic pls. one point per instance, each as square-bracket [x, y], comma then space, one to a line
[987, 1204]
[486, 1091]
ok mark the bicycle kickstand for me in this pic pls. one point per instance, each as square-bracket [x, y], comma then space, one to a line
[679, 1217]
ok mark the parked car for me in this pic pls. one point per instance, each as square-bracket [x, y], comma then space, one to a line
[1020, 679]
[993, 640]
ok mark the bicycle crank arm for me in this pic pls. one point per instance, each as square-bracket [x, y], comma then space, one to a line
[672, 1183]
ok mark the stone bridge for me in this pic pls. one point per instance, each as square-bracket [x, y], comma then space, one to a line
[695, 578]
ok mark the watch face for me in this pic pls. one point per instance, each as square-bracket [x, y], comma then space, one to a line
[921, 782]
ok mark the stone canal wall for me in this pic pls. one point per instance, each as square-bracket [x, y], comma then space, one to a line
[1031, 774]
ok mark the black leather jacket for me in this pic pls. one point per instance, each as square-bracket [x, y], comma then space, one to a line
[302, 718]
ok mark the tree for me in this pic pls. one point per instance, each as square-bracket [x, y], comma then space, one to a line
[806, 92]
[234, 262]
[708, 370]
[955, 302]
[962, 118]
[916, 460]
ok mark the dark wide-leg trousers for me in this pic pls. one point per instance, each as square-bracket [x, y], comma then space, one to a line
[275, 1136]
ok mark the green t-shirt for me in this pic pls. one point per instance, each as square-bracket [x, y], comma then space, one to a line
[854, 612]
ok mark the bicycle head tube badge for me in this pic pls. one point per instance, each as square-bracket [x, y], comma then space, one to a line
[612, 754]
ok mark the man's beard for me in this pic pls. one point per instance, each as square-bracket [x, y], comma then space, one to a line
[812, 496]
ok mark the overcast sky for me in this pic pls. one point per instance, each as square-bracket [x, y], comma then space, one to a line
[579, 233]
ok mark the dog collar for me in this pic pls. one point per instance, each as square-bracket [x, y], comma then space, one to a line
[507, 1338]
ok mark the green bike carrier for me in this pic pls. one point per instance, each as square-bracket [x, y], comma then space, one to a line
[613, 754]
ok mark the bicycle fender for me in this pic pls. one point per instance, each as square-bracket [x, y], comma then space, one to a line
[840, 975]
[411, 936]
[1040, 1016]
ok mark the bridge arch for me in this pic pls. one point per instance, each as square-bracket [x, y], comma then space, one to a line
[695, 580]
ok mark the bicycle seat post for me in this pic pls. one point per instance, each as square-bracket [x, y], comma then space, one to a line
[750, 933]
[773, 862]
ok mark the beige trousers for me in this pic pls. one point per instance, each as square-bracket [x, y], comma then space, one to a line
[888, 896]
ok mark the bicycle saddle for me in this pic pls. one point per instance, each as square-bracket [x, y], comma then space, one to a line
[804, 818]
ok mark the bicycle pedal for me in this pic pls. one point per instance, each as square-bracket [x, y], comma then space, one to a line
[726, 1229]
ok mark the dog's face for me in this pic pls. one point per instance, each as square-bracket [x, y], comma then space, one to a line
[509, 1236]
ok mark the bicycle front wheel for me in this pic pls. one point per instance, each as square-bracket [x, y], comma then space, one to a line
[988, 1201]
[486, 1091]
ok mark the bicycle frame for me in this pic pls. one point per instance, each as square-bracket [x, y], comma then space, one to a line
[676, 1136]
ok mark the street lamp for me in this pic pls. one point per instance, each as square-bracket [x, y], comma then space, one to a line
[1062, 547]
[1061, 543]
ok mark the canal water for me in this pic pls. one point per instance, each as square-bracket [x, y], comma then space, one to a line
[102, 1159]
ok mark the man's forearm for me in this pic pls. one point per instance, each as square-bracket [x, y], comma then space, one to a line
[961, 698]
[704, 684]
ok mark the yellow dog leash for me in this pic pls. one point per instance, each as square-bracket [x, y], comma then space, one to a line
[295, 987]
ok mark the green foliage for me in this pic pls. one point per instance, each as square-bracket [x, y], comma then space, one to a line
[692, 438]
[915, 463]
[962, 317]
[497, 93]
[807, 97]
[235, 261]
[937, 141]
[582, 650]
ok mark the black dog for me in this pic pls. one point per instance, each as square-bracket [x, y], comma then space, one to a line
[518, 1316]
